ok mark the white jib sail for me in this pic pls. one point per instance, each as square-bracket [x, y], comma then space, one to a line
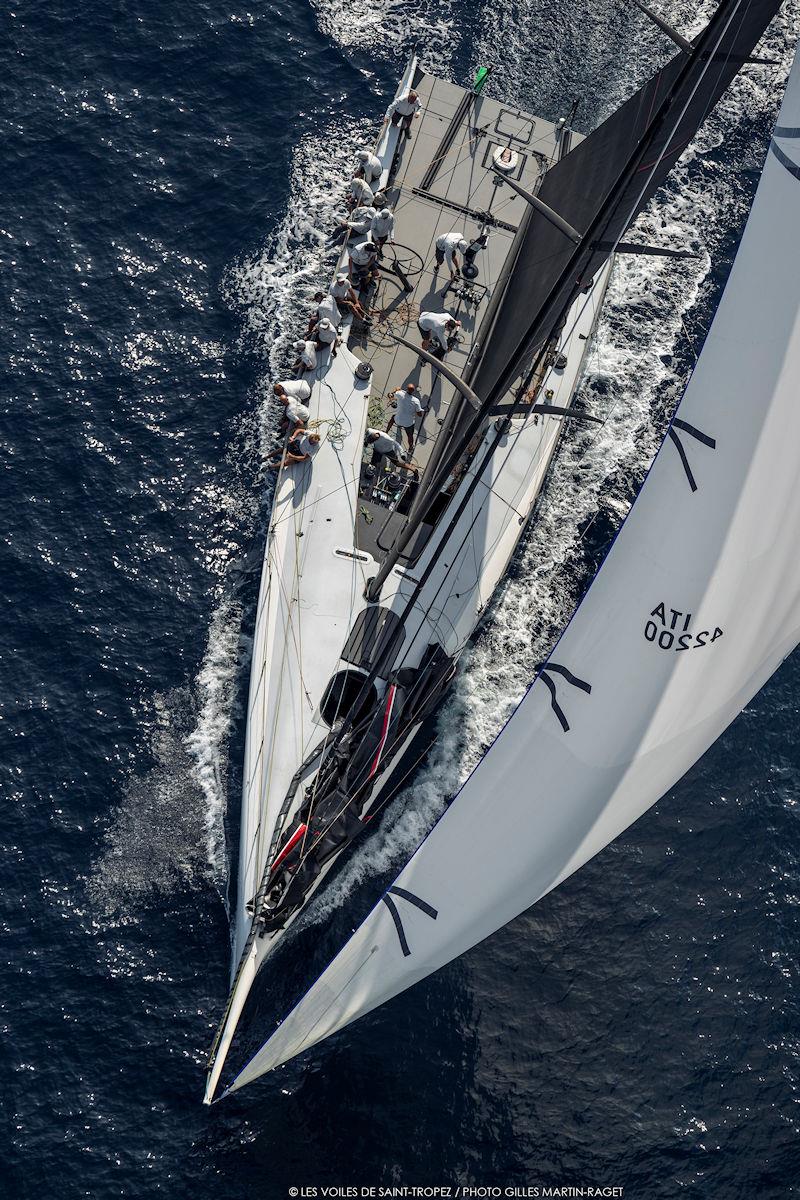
[696, 605]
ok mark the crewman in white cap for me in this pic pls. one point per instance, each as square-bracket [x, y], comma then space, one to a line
[368, 165]
[307, 356]
[326, 335]
[359, 192]
[382, 228]
[346, 297]
[448, 247]
[363, 257]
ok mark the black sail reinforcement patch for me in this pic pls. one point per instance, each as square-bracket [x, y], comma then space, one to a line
[685, 427]
[544, 675]
[422, 905]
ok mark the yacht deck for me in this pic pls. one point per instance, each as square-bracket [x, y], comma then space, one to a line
[459, 192]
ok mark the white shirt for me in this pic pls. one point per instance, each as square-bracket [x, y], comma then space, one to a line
[308, 354]
[447, 243]
[328, 310]
[382, 227]
[434, 323]
[361, 191]
[305, 446]
[384, 444]
[296, 389]
[408, 408]
[371, 164]
[403, 106]
[326, 332]
[362, 253]
[298, 413]
[361, 219]
[340, 289]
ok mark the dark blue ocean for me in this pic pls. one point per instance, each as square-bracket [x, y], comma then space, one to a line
[168, 177]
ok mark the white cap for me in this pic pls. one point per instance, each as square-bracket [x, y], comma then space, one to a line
[463, 246]
[325, 323]
[299, 346]
[363, 155]
[342, 276]
[386, 212]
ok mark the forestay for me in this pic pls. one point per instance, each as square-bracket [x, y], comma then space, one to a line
[695, 606]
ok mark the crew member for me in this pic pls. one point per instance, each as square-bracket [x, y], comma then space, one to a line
[439, 327]
[346, 297]
[383, 447]
[297, 390]
[382, 228]
[363, 257]
[295, 415]
[360, 222]
[407, 409]
[326, 309]
[448, 247]
[359, 192]
[403, 111]
[326, 335]
[301, 447]
[368, 166]
[307, 356]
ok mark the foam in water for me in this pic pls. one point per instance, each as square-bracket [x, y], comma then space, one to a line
[208, 741]
[157, 841]
[388, 28]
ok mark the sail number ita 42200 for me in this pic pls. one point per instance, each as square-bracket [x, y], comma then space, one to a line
[671, 629]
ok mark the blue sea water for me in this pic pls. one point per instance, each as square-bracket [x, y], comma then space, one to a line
[167, 174]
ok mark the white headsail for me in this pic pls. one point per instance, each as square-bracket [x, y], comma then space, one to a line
[695, 606]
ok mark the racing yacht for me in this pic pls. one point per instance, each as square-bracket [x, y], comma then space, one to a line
[374, 579]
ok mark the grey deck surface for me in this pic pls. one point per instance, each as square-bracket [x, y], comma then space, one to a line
[463, 189]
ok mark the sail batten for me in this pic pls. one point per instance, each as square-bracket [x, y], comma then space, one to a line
[695, 606]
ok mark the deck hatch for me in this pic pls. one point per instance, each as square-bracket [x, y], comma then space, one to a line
[515, 127]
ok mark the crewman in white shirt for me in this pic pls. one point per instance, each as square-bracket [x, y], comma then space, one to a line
[301, 447]
[407, 409]
[382, 447]
[295, 414]
[448, 247]
[360, 222]
[439, 327]
[363, 257]
[382, 228]
[325, 308]
[326, 335]
[293, 389]
[368, 165]
[359, 192]
[403, 111]
[346, 297]
[307, 356]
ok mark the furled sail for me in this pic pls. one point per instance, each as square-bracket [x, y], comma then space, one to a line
[605, 182]
[695, 606]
